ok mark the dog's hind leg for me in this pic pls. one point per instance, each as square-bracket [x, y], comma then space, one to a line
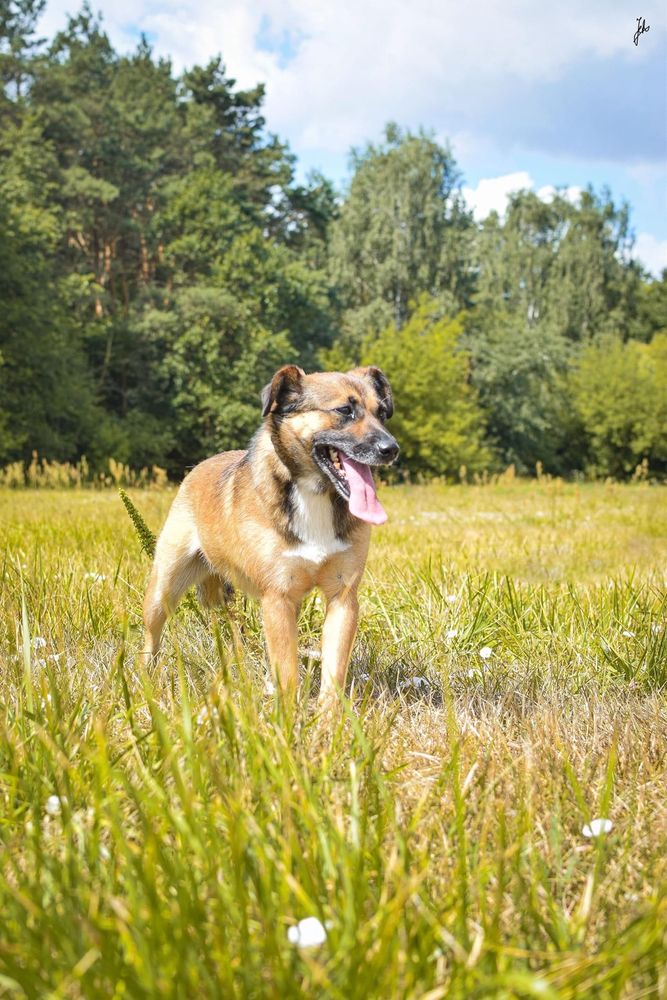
[178, 564]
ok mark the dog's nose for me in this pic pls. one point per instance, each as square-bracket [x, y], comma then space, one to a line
[388, 448]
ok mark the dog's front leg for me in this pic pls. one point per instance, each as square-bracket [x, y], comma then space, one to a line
[279, 614]
[340, 626]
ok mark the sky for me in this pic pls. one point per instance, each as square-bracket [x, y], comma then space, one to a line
[528, 95]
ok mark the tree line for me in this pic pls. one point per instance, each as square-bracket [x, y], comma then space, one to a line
[159, 260]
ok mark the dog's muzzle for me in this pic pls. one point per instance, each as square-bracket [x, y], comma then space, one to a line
[376, 449]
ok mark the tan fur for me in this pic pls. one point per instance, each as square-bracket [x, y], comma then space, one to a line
[228, 524]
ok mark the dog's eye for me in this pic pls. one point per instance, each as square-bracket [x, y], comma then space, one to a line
[346, 411]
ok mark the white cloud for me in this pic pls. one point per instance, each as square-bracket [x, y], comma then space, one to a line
[492, 193]
[651, 252]
[361, 62]
[548, 192]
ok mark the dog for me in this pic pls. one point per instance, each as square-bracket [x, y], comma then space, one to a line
[292, 513]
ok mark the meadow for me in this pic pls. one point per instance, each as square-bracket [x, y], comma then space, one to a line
[162, 831]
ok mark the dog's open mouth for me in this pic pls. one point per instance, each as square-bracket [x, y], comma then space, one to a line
[353, 481]
[329, 461]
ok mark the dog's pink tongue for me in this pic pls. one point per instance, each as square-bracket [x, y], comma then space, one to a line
[363, 502]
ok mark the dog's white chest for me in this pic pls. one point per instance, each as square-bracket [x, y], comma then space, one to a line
[312, 523]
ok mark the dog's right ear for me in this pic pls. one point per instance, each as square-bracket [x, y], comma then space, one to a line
[283, 390]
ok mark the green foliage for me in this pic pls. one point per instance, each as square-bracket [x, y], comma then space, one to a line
[279, 290]
[620, 395]
[402, 230]
[213, 353]
[652, 306]
[170, 256]
[47, 400]
[437, 420]
[18, 20]
[560, 265]
[158, 258]
[553, 276]
[200, 221]
[518, 370]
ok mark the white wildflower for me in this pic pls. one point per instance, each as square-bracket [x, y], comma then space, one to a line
[269, 686]
[53, 806]
[308, 933]
[452, 633]
[364, 678]
[416, 683]
[656, 628]
[38, 642]
[451, 598]
[486, 652]
[597, 827]
[472, 673]
[95, 577]
[628, 634]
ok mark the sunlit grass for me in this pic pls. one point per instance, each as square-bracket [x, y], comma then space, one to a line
[161, 833]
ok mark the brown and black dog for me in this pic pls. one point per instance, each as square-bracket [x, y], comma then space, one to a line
[292, 513]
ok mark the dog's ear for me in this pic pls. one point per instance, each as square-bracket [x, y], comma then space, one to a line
[380, 384]
[283, 390]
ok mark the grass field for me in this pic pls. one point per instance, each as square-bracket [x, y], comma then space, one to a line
[161, 832]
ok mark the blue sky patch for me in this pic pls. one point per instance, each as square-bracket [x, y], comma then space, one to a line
[284, 42]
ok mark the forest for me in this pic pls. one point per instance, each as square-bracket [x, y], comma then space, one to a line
[160, 258]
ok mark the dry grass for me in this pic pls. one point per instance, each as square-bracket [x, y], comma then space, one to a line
[436, 830]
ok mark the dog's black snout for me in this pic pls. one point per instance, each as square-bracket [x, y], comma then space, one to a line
[388, 448]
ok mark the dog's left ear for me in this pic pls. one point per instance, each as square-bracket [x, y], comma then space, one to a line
[283, 390]
[380, 384]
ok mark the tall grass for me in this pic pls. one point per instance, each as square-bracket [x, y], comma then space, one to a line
[161, 831]
[40, 473]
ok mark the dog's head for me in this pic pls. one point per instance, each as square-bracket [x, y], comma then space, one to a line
[331, 424]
